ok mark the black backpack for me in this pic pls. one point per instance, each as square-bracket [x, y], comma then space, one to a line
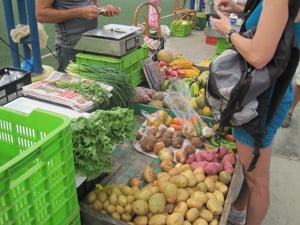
[238, 94]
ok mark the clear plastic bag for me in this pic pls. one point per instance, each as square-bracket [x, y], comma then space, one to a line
[178, 99]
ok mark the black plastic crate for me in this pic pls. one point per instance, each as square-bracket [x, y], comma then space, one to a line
[13, 90]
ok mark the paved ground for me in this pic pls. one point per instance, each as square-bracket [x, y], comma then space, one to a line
[285, 166]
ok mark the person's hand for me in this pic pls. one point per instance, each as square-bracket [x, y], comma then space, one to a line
[89, 12]
[227, 6]
[111, 10]
[221, 25]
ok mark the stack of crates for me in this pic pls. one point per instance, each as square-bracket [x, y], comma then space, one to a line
[37, 169]
[130, 63]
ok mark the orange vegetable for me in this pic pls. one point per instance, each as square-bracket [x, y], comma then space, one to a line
[229, 137]
[179, 121]
[176, 126]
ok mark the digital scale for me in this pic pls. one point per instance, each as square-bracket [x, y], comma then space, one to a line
[111, 39]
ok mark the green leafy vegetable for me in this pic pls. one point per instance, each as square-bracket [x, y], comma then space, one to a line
[95, 136]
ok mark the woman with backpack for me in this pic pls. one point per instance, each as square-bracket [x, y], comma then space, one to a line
[252, 203]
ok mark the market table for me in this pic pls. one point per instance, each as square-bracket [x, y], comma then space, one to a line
[127, 162]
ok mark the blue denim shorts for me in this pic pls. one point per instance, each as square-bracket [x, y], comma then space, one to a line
[244, 137]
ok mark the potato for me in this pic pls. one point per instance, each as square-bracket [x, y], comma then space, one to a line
[98, 205]
[140, 207]
[102, 195]
[192, 214]
[225, 177]
[165, 176]
[215, 206]
[134, 181]
[158, 219]
[165, 153]
[201, 196]
[113, 198]
[186, 167]
[111, 209]
[200, 221]
[214, 222]
[126, 217]
[210, 184]
[174, 171]
[194, 203]
[157, 203]
[206, 214]
[219, 195]
[122, 200]
[153, 187]
[180, 180]
[149, 174]
[186, 222]
[170, 192]
[182, 194]
[140, 220]
[181, 207]
[192, 181]
[144, 194]
[166, 165]
[91, 197]
[175, 219]
[116, 215]
[128, 208]
[223, 188]
[202, 186]
[215, 177]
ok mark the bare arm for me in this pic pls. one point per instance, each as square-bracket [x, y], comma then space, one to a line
[45, 13]
[259, 50]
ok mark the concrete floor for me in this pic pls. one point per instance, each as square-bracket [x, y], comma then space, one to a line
[285, 165]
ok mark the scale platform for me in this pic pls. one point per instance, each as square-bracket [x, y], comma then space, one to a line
[111, 39]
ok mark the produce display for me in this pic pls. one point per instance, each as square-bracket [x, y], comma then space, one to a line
[161, 134]
[175, 195]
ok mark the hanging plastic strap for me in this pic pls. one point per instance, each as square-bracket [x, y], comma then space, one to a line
[256, 151]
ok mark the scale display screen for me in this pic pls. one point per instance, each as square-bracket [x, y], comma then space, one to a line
[132, 43]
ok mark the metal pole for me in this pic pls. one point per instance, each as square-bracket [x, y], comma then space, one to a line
[10, 24]
[36, 53]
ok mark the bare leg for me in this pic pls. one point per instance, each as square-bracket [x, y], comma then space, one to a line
[296, 97]
[241, 201]
[257, 183]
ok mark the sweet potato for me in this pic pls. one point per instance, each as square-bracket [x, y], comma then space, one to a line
[208, 156]
[196, 165]
[190, 159]
[228, 158]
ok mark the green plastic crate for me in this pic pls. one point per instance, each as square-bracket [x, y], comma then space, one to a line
[181, 30]
[129, 63]
[221, 45]
[201, 21]
[37, 169]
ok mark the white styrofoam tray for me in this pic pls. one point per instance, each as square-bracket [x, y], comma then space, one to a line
[26, 105]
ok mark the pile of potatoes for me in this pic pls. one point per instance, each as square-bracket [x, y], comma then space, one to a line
[177, 195]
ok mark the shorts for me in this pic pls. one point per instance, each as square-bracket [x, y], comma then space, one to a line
[244, 137]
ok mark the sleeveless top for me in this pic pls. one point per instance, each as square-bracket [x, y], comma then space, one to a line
[69, 32]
